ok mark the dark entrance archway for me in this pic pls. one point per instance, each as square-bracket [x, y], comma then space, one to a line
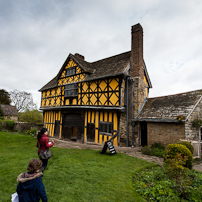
[57, 128]
[73, 127]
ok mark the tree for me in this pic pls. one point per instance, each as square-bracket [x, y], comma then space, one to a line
[22, 100]
[33, 116]
[4, 97]
[1, 113]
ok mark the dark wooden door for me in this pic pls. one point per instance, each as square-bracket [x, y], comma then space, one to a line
[143, 126]
[72, 127]
[57, 128]
[91, 132]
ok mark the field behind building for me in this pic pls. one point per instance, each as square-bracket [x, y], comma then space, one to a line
[72, 174]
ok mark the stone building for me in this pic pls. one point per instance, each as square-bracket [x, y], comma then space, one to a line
[10, 112]
[170, 118]
[93, 101]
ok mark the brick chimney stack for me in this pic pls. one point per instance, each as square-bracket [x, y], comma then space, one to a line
[80, 56]
[137, 62]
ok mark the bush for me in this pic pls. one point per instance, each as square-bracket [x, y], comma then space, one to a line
[158, 152]
[34, 117]
[178, 173]
[146, 150]
[188, 145]
[10, 124]
[173, 149]
[154, 184]
[158, 145]
[1, 113]
[155, 150]
[31, 132]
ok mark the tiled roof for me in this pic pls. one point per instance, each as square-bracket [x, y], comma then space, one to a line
[9, 110]
[170, 107]
[111, 66]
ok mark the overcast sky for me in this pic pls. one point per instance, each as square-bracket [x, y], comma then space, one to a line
[37, 36]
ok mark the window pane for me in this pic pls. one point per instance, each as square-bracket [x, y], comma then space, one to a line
[68, 73]
[75, 85]
[71, 92]
[101, 127]
[110, 128]
[105, 130]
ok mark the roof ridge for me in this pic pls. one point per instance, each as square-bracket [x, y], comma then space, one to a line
[176, 94]
[111, 57]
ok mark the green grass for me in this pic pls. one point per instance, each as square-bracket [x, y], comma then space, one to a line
[71, 175]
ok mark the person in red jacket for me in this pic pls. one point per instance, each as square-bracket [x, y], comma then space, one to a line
[43, 144]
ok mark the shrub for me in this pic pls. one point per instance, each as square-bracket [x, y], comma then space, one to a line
[156, 150]
[196, 123]
[173, 149]
[10, 124]
[188, 145]
[1, 124]
[158, 145]
[178, 173]
[31, 132]
[34, 116]
[1, 113]
[154, 184]
[146, 150]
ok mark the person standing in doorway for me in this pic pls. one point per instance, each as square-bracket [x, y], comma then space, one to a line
[43, 144]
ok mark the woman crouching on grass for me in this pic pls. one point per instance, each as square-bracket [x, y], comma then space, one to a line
[43, 144]
[30, 186]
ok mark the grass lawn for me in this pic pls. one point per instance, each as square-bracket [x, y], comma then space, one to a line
[71, 175]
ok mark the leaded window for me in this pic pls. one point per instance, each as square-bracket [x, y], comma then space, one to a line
[106, 127]
[71, 90]
[70, 71]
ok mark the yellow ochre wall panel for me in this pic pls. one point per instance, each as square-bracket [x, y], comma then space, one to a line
[49, 96]
[85, 129]
[100, 92]
[49, 121]
[146, 89]
[95, 117]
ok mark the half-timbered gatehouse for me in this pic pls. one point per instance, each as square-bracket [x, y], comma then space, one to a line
[92, 101]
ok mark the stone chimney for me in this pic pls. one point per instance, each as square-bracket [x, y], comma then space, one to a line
[137, 62]
[80, 56]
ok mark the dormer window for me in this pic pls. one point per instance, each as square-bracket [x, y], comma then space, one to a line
[71, 71]
[71, 90]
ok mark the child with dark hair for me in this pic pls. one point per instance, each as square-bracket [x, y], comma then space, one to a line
[30, 186]
[43, 144]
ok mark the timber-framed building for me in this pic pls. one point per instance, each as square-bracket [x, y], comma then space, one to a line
[91, 102]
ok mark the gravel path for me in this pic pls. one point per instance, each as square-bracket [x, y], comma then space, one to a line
[135, 152]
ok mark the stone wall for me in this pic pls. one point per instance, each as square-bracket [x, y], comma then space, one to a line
[14, 118]
[192, 133]
[21, 126]
[165, 133]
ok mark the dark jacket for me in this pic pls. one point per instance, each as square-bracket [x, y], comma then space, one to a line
[31, 188]
[44, 143]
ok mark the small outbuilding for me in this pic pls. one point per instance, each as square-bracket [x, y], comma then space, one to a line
[169, 119]
[10, 112]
